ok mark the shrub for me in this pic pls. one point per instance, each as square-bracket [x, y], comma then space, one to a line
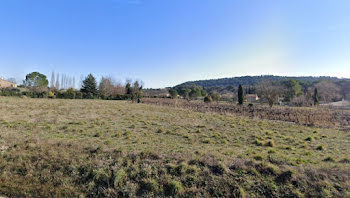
[309, 138]
[258, 157]
[171, 168]
[174, 188]
[181, 168]
[270, 143]
[149, 185]
[320, 147]
[51, 94]
[208, 99]
[271, 151]
[258, 142]
[88, 96]
[69, 94]
[78, 95]
[206, 141]
[190, 181]
[328, 159]
[218, 169]
[285, 176]
[267, 168]
[10, 92]
[119, 178]
[101, 177]
[192, 170]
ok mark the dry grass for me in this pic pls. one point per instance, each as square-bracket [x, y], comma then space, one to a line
[95, 148]
[309, 116]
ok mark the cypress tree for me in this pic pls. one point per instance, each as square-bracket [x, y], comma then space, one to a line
[240, 94]
[316, 101]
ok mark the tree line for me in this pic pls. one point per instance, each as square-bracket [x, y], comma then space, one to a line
[291, 91]
[63, 86]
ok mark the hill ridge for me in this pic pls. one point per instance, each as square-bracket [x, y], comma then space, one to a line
[251, 80]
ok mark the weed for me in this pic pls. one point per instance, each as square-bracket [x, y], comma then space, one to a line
[309, 138]
[270, 143]
[320, 147]
[328, 159]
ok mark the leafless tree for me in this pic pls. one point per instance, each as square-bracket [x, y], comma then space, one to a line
[270, 91]
[58, 81]
[52, 81]
[106, 87]
[345, 89]
[327, 91]
[13, 80]
[73, 84]
[302, 101]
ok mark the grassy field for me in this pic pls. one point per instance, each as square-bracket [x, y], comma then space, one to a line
[96, 148]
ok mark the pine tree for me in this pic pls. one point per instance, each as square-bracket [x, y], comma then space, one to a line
[240, 95]
[316, 101]
[89, 86]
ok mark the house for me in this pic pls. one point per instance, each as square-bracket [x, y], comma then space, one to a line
[7, 84]
[252, 97]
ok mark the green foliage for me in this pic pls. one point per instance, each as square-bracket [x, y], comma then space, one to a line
[173, 93]
[133, 92]
[10, 92]
[240, 95]
[204, 92]
[89, 87]
[128, 89]
[78, 95]
[36, 80]
[184, 92]
[119, 178]
[215, 96]
[195, 92]
[69, 94]
[293, 89]
[251, 80]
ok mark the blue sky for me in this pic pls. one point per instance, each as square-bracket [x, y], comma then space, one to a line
[167, 42]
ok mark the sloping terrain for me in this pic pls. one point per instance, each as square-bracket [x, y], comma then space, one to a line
[253, 80]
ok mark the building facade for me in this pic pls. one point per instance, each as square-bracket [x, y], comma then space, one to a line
[252, 98]
[7, 84]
